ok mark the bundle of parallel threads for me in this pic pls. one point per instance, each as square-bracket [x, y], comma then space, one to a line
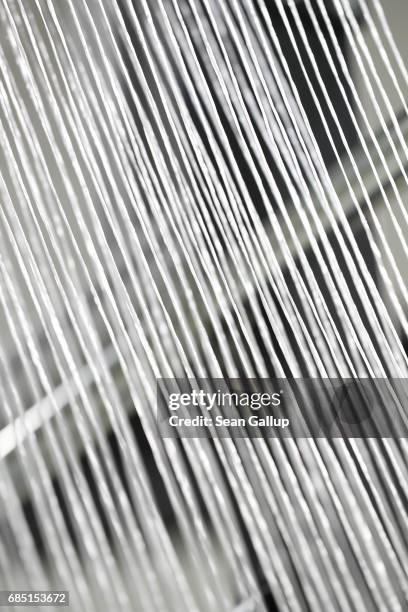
[200, 190]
